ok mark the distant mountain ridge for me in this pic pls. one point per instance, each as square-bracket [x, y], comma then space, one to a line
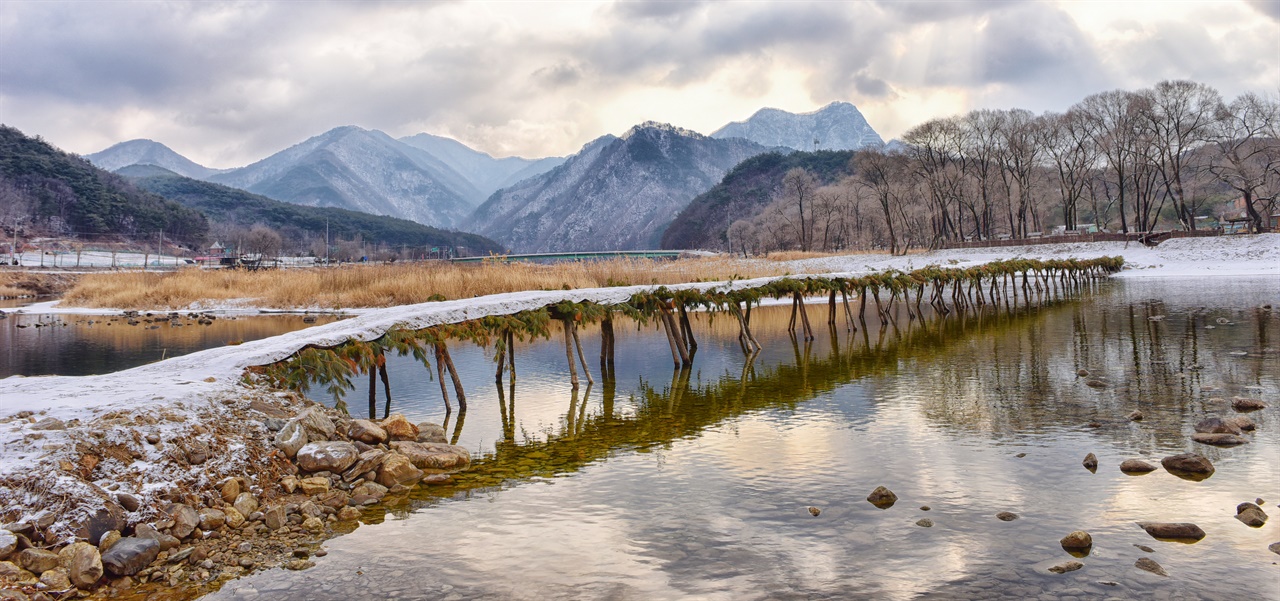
[837, 126]
[148, 152]
[617, 193]
[480, 169]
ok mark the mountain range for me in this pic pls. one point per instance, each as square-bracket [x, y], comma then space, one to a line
[615, 193]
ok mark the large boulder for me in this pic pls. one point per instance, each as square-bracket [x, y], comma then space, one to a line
[311, 425]
[185, 519]
[8, 544]
[129, 555]
[434, 457]
[83, 564]
[366, 431]
[397, 469]
[212, 519]
[1173, 530]
[165, 541]
[429, 432]
[368, 462]
[399, 427]
[327, 456]
[91, 527]
[37, 560]
[1188, 465]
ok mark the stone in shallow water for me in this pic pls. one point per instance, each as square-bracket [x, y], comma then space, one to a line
[429, 432]
[1219, 439]
[882, 497]
[1214, 425]
[1076, 541]
[1007, 516]
[1066, 566]
[924, 523]
[1191, 466]
[815, 512]
[1136, 466]
[366, 431]
[434, 457]
[1091, 462]
[1173, 530]
[1243, 404]
[1149, 565]
[398, 427]
[1251, 515]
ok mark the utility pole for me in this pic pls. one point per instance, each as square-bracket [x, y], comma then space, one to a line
[13, 249]
[326, 242]
[159, 248]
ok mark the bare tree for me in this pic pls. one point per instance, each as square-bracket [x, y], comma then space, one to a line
[262, 241]
[1248, 153]
[1181, 116]
[798, 189]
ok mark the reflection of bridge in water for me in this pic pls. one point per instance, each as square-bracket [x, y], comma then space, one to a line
[663, 414]
[577, 256]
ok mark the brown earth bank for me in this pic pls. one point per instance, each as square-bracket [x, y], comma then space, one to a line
[17, 283]
[138, 505]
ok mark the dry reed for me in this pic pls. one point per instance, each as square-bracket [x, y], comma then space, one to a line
[388, 285]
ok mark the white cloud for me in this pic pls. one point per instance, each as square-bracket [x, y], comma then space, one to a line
[228, 83]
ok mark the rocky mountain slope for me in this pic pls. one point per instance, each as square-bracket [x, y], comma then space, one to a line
[617, 193]
[837, 126]
[226, 205]
[361, 170]
[481, 170]
[148, 152]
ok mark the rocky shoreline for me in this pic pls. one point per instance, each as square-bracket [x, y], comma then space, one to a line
[131, 503]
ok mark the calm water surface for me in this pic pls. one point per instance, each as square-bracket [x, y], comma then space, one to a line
[670, 485]
[81, 345]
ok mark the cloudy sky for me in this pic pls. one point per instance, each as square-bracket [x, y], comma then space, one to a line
[229, 83]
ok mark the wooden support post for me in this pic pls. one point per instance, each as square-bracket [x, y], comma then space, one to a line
[685, 357]
[804, 315]
[848, 312]
[831, 308]
[577, 343]
[457, 381]
[687, 328]
[444, 390]
[671, 338]
[511, 355]
[862, 306]
[386, 387]
[502, 356]
[568, 353]
[373, 391]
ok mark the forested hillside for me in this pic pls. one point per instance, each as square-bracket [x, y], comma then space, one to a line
[49, 192]
[299, 225]
[744, 192]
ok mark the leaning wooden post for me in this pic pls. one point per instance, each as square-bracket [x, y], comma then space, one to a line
[831, 307]
[685, 357]
[848, 312]
[453, 375]
[444, 390]
[671, 338]
[581, 358]
[687, 328]
[568, 353]
[804, 315]
[373, 389]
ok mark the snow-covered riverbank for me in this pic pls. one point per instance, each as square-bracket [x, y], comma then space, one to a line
[180, 394]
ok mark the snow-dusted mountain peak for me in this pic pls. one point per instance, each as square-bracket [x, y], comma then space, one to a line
[836, 126]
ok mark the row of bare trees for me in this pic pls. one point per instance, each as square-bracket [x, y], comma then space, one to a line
[1129, 161]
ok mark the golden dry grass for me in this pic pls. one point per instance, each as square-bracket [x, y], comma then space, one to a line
[389, 285]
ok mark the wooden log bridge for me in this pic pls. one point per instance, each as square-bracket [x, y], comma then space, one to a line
[966, 289]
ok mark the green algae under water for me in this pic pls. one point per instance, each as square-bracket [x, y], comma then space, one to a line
[664, 484]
